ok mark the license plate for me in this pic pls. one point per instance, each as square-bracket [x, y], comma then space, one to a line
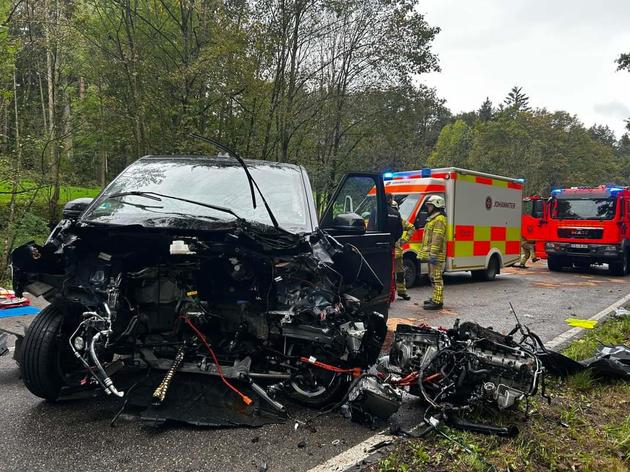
[579, 246]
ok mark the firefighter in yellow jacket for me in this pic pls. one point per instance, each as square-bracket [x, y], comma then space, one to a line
[433, 249]
[408, 229]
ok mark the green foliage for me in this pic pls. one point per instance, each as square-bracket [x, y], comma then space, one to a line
[453, 145]
[547, 149]
[516, 100]
[609, 332]
[623, 62]
[30, 228]
[29, 190]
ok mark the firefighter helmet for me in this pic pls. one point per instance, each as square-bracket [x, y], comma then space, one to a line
[437, 201]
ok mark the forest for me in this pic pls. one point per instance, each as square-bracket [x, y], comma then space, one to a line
[88, 86]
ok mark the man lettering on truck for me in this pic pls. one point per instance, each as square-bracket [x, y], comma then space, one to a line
[433, 249]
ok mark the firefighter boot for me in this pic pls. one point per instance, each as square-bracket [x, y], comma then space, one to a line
[401, 288]
[433, 305]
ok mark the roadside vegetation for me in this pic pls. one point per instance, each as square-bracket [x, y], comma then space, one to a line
[585, 428]
[30, 215]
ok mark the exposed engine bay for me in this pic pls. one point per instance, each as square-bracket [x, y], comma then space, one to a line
[266, 311]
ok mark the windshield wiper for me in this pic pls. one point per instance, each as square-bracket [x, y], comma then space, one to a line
[156, 196]
[137, 194]
[252, 182]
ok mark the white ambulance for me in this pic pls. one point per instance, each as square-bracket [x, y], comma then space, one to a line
[483, 213]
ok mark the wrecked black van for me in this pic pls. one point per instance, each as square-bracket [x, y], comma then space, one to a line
[191, 268]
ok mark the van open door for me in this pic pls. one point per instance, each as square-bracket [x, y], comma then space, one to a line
[534, 223]
[368, 232]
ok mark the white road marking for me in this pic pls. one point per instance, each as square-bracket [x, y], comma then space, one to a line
[350, 457]
[354, 455]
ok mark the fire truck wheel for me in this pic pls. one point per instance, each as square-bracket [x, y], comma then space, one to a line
[619, 267]
[411, 271]
[554, 263]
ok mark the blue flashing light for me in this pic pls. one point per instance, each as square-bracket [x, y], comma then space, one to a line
[556, 191]
[388, 175]
[520, 181]
[614, 189]
[426, 173]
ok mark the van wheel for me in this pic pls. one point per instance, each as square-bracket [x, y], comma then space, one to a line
[488, 274]
[411, 271]
[41, 354]
[620, 267]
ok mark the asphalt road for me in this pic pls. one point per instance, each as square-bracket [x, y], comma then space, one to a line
[38, 436]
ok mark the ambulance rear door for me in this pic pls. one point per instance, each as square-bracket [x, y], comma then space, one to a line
[484, 221]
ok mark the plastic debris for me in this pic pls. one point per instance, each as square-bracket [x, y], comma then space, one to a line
[578, 323]
[621, 312]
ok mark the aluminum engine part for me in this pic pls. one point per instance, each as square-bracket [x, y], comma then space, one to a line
[414, 347]
[503, 359]
[371, 398]
[354, 332]
[503, 395]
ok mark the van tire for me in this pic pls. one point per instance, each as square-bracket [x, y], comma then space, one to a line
[488, 274]
[40, 354]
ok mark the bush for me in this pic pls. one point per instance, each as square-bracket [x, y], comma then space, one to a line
[30, 228]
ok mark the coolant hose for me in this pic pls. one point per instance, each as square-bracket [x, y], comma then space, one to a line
[109, 385]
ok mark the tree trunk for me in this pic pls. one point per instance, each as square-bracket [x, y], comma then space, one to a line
[15, 179]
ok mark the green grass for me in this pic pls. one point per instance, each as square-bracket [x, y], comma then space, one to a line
[610, 332]
[585, 428]
[67, 192]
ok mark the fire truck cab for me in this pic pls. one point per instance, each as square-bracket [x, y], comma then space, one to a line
[483, 213]
[589, 225]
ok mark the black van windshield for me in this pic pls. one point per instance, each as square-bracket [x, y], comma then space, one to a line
[133, 197]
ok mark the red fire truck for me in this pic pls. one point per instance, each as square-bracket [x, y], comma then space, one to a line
[588, 225]
[534, 223]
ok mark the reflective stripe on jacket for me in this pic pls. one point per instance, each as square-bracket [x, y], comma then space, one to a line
[408, 230]
[434, 239]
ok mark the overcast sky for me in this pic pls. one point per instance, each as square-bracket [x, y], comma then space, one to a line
[561, 52]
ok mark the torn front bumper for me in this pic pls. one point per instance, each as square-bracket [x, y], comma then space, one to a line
[4, 344]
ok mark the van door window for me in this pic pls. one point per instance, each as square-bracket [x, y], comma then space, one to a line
[354, 198]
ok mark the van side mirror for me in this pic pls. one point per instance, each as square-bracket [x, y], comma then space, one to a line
[75, 208]
[349, 223]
